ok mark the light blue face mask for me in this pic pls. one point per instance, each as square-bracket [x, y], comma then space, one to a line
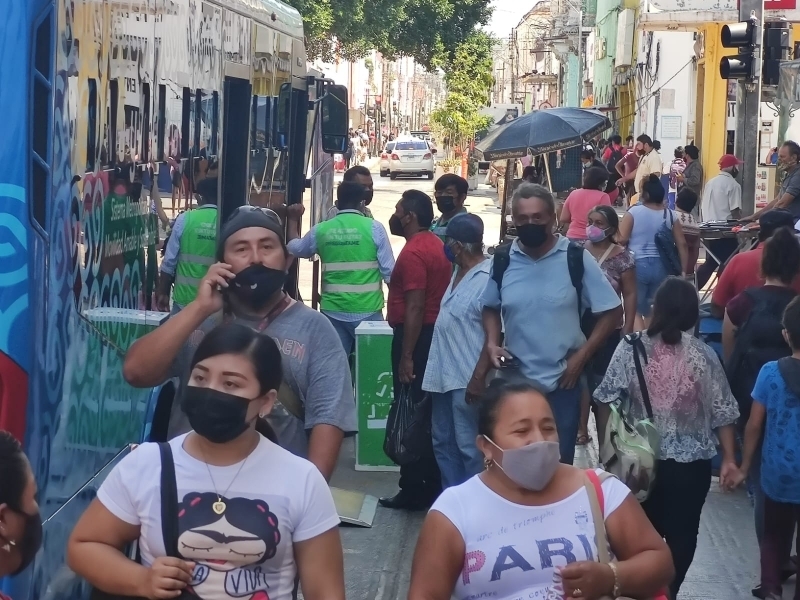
[531, 467]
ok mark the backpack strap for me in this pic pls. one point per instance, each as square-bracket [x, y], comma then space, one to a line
[169, 501]
[594, 489]
[576, 269]
[500, 261]
[639, 351]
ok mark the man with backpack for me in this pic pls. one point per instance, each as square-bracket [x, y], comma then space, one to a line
[541, 285]
[613, 153]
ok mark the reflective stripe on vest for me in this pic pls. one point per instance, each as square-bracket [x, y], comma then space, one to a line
[198, 246]
[351, 277]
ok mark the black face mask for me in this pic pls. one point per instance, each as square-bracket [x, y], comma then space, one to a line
[532, 235]
[254, 285]
[368, 197]
[396, 226]
[445, 204]
[215, 415]
[31, 540]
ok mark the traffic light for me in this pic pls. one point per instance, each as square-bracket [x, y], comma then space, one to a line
[776, 48]
[744, 37]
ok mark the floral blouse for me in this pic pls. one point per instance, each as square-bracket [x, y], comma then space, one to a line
[615, 266]
[688, 390]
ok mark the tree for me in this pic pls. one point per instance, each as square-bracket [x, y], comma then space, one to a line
[429, 31]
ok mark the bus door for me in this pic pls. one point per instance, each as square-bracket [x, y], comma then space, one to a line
[237, 98]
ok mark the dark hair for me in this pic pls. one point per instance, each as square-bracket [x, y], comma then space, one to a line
[793, 148]
[496, 392]
[261, 350]
[686, 199]
[791, 322]
[353, 172]
[611, 216]
[207, 189]
[656, 145]
[645, 139]
[676, 309]
[692, 151]
[448, 179]
[349, 194]
[13, 471]
[530, 170]
[781, 256]
[593, 177]
[616, 139]
[587, 154]
[629, 138]
[420, 204]
[653, 190]
[678, 152]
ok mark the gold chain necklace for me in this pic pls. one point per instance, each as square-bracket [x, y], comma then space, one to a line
[219, 506]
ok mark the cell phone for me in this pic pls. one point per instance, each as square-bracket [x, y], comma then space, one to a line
[509, 363]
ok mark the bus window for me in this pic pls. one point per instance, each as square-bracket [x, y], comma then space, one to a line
[40, 172]
[91, 127]
[145, 150]
[186, 120]
[212, 147]
[162, 121]
[111, 125]
[198, 119]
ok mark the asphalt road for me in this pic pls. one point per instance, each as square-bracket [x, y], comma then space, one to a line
[378, 560]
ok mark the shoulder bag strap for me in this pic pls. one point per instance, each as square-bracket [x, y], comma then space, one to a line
[169, 501]
[603, 258]
[594, 490]
[638, 348]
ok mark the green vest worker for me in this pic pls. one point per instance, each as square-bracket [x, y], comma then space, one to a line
[450, 192]
[355, 255]
[191, 249]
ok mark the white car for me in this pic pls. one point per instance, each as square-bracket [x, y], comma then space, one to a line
[411, 157]
[387, 152]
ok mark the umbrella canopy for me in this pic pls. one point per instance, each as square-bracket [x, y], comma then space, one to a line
[543, 131]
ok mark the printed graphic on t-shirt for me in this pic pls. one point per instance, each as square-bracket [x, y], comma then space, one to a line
[230, 548]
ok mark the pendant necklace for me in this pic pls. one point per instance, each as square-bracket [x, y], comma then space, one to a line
[219, 506]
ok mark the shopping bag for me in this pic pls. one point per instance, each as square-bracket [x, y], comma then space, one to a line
[407, 427]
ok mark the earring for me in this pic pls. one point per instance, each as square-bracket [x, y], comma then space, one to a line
[487, 462]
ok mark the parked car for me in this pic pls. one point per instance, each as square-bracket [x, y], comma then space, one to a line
[387, 152]
[411, 157]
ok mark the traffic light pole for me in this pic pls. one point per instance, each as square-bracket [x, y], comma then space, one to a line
[748, 100]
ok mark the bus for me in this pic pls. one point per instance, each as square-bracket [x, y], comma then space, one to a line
[95, 95]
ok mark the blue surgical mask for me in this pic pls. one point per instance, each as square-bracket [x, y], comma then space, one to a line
[448, 252]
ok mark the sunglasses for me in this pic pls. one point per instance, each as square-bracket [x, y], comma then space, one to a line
[250, 208]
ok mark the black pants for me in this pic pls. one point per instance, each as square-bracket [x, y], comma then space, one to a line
[421, 478]
[723, 249]
[674, 508]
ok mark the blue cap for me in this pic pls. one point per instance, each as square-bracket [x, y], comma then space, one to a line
[465, 228]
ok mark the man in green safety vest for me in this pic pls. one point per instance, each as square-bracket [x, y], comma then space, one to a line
[355, 254]
[190, 251]
[450, 193]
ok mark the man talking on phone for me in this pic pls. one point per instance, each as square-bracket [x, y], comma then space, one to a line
[541, 285]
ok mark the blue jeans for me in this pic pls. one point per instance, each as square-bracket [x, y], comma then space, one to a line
[454, 428]
[650, 274]
[566, 407]
[346, 330]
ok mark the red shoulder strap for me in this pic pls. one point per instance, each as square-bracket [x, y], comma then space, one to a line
[598, 489]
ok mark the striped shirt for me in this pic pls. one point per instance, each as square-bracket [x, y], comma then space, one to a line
[458, 333]
[439, 226]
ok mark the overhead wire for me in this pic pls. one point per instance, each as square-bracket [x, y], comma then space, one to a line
[640, 102]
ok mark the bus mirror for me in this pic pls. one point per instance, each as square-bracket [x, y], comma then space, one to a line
[335, 120]
[282, 120]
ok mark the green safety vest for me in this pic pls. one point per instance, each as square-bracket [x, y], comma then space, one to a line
[351, 279]
[197, 253]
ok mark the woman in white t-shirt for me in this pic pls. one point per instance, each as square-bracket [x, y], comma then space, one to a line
[251, 516]
[523, 528]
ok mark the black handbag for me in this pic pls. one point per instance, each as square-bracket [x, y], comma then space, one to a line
[169, 521]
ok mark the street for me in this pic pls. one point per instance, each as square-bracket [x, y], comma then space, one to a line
[378, 560]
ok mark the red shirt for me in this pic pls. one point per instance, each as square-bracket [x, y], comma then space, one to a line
[421, 265]
[742, 272]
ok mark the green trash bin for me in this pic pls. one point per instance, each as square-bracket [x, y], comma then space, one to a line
[374, 394]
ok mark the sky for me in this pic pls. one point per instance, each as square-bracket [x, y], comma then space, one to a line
[507, 14]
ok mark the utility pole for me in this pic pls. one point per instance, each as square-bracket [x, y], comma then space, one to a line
[748, 98]
[580, 58]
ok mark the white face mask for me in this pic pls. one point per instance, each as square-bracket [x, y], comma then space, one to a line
[531, 467]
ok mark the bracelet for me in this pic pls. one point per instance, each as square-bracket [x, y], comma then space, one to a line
[615, 589]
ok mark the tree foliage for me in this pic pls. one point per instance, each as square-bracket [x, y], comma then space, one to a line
[430, 31]
[468, 76]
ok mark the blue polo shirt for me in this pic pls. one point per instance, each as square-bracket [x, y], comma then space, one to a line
[539, 308]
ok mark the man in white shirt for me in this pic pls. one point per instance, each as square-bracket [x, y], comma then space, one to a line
[722, 201]
[649, 163]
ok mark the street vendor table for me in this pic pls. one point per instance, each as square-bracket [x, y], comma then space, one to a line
[746, 237]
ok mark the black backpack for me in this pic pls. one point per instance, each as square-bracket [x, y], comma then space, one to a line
[611, 165]
[502, 258]
[758, 341]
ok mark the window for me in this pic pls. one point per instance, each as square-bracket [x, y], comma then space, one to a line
[113, 107]
[198, 119]
[145, 152]
[162, 121]
[186, 121]
[411, 146]
[91, 128]
[212, 147]
[42, 117]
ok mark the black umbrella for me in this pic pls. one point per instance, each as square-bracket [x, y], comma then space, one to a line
[541, 131]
